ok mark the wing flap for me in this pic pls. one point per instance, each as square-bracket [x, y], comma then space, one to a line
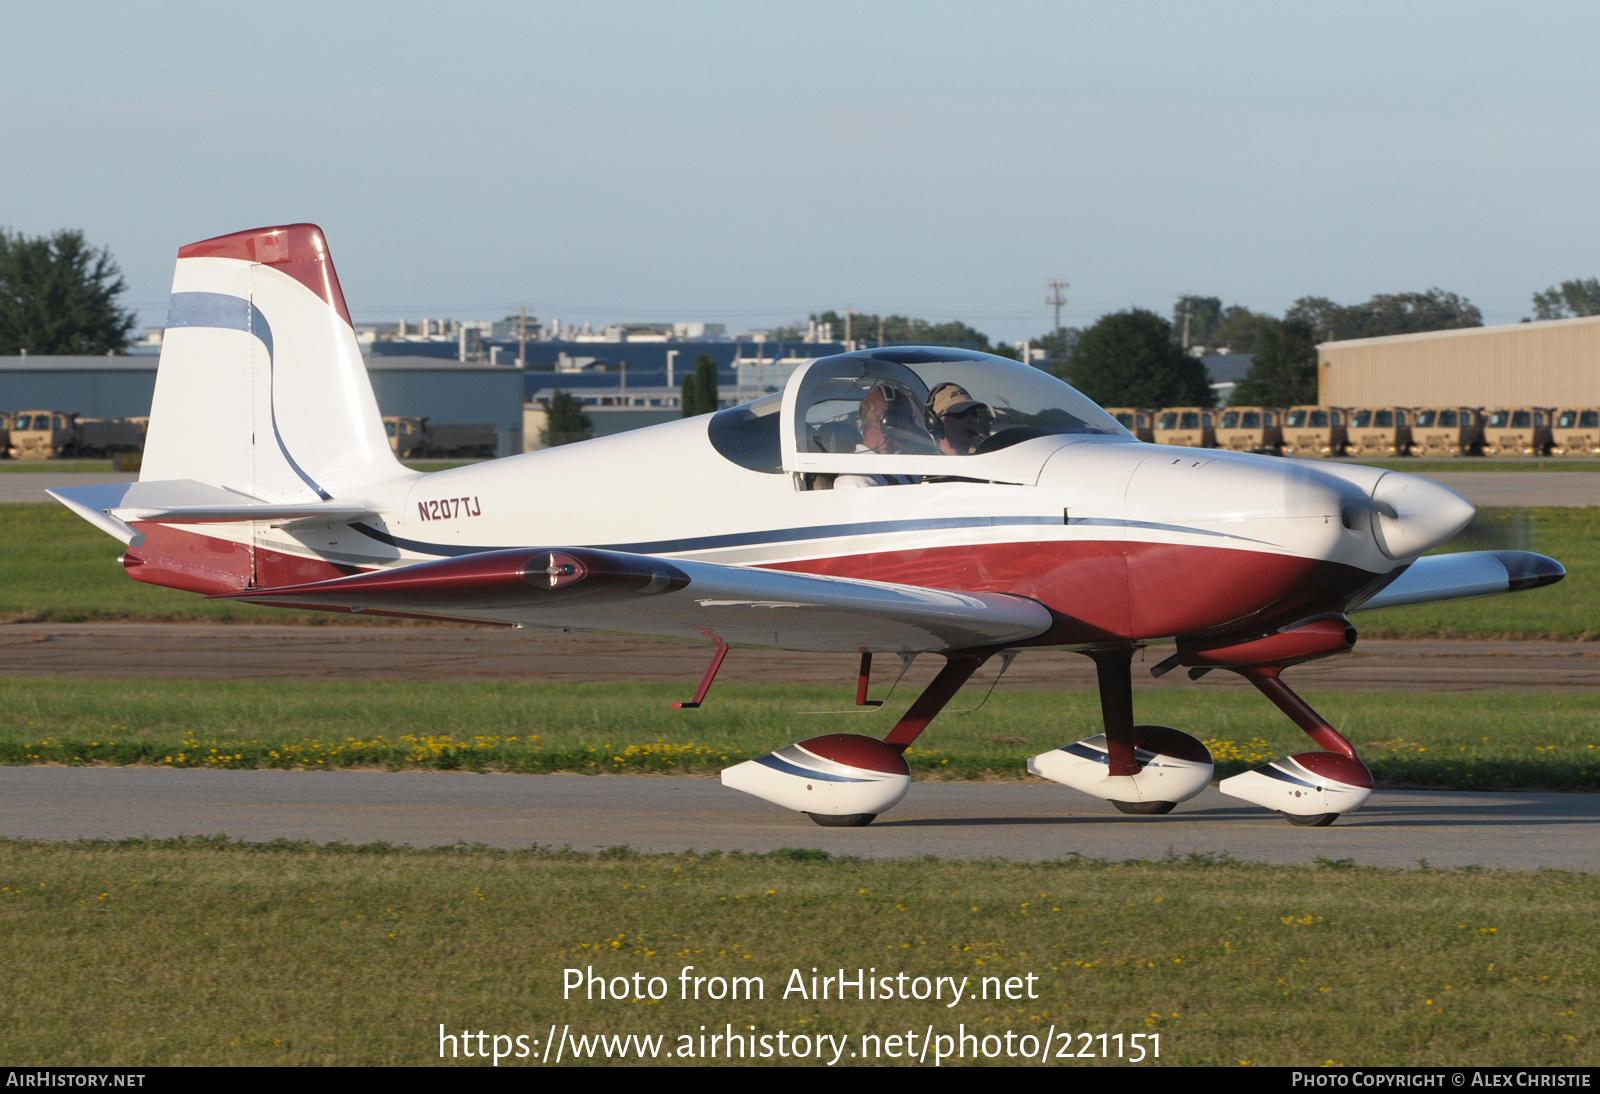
[618, 592]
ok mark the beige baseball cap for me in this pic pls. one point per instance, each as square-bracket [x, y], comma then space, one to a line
[951, 398]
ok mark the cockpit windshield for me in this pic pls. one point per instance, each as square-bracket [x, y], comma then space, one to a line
[905, 400]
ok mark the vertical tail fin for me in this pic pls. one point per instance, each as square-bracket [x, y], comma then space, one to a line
[261, 387]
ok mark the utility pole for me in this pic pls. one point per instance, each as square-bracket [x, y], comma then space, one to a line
[1188, 313]
[1056, 297]
[522, 336]
[849, 314]
[880, 332]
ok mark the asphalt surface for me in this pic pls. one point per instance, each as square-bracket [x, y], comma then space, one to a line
[1029, 822]
[1478, 487]
[30, 486]
[1523, 487]
[450, 653]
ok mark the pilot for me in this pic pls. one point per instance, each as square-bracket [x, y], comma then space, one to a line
[957, 419]
[891, 423]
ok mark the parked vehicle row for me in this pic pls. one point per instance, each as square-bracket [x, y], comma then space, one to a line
[48, 434]
[1321, 432]
[55, 434]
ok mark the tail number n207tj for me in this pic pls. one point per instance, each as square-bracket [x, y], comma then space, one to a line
[449, 508]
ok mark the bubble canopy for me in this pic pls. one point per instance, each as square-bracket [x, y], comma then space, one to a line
[872, 409]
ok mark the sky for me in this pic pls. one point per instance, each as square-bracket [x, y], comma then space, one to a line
[750, 163]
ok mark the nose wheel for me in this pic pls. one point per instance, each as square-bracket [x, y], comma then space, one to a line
[1145, 809]
[1311, 789]
[1315, 820]
[1142, 770]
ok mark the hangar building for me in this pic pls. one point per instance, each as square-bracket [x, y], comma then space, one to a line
[1554, 363]
[418, 387]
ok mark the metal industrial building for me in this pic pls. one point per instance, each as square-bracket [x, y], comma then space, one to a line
[418, 387]
[1555, 363]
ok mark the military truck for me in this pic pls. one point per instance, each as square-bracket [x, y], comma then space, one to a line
[1443, 432]
[1251, 429]
[1576, 432]
[1517, 431]
[421, 437]
[1315, 432]
[1187, 426]
[405, 436]
[1138, 420]
[1379, 431]
[48, 434]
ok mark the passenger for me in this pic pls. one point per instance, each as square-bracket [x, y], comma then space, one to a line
[891, 423]
[957, 419]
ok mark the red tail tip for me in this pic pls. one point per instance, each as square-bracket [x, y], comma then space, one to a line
[298, 250]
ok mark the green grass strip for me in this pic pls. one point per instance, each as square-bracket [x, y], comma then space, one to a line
[1489, 741]
[202, 952]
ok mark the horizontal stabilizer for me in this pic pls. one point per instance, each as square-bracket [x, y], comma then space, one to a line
[616, 592]
[313, 513]
[111, 506]
[1464, 575]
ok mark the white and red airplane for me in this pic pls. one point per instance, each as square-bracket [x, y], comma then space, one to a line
[268, 478]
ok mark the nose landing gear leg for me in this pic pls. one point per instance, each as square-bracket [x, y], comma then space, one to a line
[1311, 789]
[1140, 769]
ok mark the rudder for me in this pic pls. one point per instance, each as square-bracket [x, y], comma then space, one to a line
[261, 388]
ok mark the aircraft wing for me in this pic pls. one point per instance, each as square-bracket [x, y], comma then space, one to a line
[1467, 574]
[617, 592]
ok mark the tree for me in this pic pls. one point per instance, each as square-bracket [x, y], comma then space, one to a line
[1058, 347]
[1131, 359]
[1284, 372]
[1204, 314]
[699, 392]
[58, 296]
[1568, 300]
[565, 421]
[1240, 329]
[1234, 327]
[1393, 313]
[901, 330]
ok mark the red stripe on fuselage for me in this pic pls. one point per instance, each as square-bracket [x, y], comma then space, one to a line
[1104, 591]
[299, 250]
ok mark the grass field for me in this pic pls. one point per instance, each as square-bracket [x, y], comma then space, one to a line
[56, 568]
[1482, 741]
[199, 952]
[99, 467]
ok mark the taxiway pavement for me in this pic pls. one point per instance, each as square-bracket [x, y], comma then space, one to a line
[1030, 822]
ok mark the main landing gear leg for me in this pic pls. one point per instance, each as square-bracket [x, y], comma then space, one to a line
[844, 780]
[1142, 769]
[1311, 789]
